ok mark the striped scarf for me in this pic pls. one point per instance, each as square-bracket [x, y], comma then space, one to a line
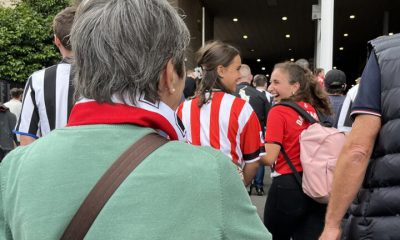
[157, 116]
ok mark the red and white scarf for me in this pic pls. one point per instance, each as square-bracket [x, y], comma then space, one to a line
[157, 116]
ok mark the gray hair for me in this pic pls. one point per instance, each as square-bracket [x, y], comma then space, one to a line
[122, 47]
[303, 63]
[245, 71]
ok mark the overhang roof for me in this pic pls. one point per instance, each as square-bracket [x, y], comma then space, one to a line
[261, 21]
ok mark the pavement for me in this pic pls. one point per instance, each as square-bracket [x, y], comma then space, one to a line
[259, 201]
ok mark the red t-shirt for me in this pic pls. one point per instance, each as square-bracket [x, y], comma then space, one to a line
[284, 126]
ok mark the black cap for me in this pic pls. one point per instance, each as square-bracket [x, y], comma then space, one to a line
[335, 79]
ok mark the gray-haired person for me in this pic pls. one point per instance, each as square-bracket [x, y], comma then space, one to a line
[129, 78]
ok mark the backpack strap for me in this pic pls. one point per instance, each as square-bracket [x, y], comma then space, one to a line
[108, 183]
[294, 170]
[299, 110]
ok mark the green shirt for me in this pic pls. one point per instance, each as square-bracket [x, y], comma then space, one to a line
[178, 192]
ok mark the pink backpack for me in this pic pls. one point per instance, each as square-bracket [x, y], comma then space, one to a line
[320, 147]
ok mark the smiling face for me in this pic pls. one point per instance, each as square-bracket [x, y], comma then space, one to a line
[280, 86]
[231, 74]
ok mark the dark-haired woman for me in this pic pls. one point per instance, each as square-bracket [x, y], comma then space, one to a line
[218, 119]
[289, 213]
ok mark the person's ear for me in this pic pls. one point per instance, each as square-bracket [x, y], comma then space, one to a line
[220, 71]
[167, 78]
[57, 41]
[296, 87]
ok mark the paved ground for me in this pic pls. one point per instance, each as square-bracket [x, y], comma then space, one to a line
[259, 201]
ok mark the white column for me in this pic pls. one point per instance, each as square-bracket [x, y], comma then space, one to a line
[317, 54]
[326, 49]
[316, 15]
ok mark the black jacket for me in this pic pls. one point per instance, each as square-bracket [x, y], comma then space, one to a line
[257, 100]
[7, 124]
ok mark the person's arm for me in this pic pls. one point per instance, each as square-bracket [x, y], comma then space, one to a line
[272, 151]
[250, 171]
[28, 123]
[251, 145]
[26, 140]
[350, 170]
[273, 136]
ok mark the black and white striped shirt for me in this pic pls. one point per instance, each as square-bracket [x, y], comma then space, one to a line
[47, 101]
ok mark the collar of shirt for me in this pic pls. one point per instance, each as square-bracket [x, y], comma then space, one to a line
[157, 116]
[244, 83]
[66, 60]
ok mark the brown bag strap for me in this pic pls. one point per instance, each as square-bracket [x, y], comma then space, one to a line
[108, 183]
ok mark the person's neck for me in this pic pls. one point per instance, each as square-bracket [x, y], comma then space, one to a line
[65, 53]
[243, 82]
[68, 54]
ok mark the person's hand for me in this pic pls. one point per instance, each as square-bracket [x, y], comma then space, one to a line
[330, 233]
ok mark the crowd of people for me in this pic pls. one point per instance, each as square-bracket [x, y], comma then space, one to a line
[122, 76]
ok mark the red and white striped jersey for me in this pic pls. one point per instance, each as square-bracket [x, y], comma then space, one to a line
[226, 123]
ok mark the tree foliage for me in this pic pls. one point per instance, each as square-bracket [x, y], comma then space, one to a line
[47, 7]
[26, 38]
